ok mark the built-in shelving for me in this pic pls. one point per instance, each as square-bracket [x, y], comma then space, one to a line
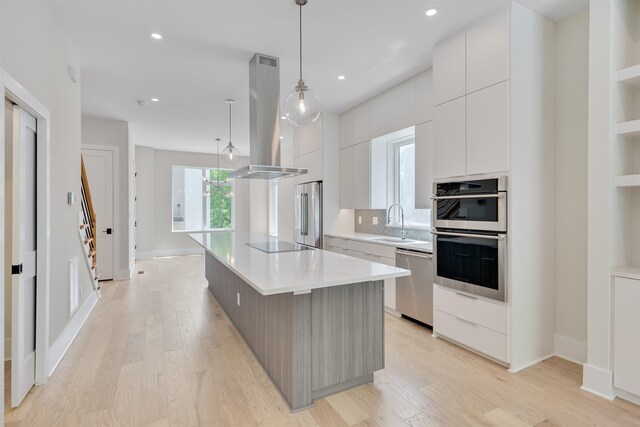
[630, 128]
[627, 271]
[630, 76]
[628, 181]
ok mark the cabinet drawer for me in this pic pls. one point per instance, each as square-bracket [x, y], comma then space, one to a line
[474, 336]
[491, 315]
[373, 249]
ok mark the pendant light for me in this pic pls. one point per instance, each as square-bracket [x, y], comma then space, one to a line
[230, 152]
[217, 185]
[301, 106]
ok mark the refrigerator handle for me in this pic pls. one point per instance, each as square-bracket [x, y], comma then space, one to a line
[305, 214]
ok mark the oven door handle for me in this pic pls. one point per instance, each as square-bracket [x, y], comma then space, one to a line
[478, 236]
[470, 196]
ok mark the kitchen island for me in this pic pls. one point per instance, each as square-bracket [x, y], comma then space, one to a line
[314, 319]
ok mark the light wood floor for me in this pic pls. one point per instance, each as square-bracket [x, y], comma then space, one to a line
[159, 351]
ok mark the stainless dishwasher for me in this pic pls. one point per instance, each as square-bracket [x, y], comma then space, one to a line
[414, 293]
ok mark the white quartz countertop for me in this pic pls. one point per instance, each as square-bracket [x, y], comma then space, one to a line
[298, 272]
[418, 245]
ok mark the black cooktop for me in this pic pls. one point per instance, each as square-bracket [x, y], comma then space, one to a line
[276, 246]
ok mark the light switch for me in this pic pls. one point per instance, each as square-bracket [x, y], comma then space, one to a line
[375, 220]
[71, 198]
[359, 219]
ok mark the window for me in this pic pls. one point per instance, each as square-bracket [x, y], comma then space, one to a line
[193, 212]
[402, 189]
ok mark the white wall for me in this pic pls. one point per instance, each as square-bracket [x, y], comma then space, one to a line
[154, 217]
[572, 85]
[115, 133]
[36, 53]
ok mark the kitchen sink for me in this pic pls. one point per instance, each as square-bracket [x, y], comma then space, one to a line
[394, 240]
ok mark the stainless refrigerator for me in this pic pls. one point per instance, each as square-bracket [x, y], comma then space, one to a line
[308, 219]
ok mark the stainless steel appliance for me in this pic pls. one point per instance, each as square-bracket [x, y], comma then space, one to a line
[308, 218]
[479, 204]
[276, 246]
[414, 294]
[264, 122]
[470, 240]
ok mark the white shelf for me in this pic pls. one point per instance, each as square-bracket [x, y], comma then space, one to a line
[627, 271]
[630, 128]
[630, 76]
[628, 181]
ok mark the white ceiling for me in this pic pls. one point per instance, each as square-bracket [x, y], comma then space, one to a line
[203, 57]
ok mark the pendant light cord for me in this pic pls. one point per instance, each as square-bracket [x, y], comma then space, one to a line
[230, 122]
[300, 40]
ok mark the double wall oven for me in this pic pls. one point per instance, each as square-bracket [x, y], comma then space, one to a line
[470, 235]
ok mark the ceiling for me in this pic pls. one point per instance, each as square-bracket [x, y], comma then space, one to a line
[206, 46]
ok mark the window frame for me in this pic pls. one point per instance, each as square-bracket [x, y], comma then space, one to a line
[206, 201]
[393, 184]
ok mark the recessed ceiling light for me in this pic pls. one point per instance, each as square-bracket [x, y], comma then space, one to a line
[431, 12]
[341, 77]
[283, 117]
[155, 99]
[156, 36]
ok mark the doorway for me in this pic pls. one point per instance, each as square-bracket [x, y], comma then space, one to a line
[28, 130]
[20, 269]
[99, 165]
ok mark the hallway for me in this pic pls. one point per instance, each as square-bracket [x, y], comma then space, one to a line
[158, 351]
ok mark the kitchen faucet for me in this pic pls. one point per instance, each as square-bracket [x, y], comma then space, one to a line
[403, 232]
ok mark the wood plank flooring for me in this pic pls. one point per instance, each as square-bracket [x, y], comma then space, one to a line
[159, 351]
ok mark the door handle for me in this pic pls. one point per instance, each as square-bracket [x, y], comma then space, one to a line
[305, 213]
[16, 269]
[108, 231]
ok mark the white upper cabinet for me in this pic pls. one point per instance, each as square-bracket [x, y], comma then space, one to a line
[488, 52]
[347, 129]
[449, 59]
[449, 151]
[379, 115]
[401, 105]
[311, 161]
[423, 97]
[308, 138]
[424, 165]
[488, 130]
[361, 123]
[354, 176]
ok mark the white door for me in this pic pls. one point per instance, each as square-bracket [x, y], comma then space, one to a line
[23, 287]
[99, 167]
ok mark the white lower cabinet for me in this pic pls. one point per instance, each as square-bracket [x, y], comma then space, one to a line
[477, 324]
[626, 338]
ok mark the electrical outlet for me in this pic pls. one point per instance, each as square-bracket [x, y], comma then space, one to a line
[238, 297]
[359, 219]
[375, 220]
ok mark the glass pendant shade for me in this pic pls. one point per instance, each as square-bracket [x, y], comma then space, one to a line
[302, 106]
[231, 154]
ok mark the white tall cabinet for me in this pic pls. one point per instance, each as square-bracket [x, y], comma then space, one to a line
[471, 87]
[494, 115]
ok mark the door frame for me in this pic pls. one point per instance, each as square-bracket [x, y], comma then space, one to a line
[15, 92]
[115, 151]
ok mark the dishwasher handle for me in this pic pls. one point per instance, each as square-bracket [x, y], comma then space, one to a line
[414, 254]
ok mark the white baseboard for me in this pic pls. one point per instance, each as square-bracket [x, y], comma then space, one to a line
[61, 345]
[597, 381]
[145, 255]
[392, 311]
[569, 349]
[7, 349]
[178, 252]
[514, 370]
[627, 396]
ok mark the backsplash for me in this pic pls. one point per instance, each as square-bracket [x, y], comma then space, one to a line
[368, 227]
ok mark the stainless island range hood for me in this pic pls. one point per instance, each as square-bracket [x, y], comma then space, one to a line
[264, 122]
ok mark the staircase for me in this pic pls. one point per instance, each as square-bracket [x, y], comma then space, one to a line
[87, 230]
